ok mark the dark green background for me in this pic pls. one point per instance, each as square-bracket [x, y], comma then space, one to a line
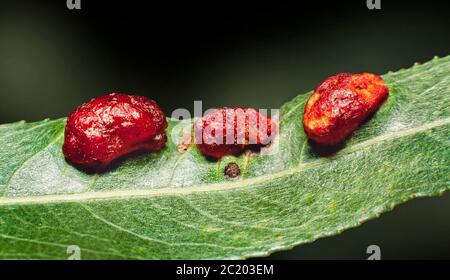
[53, 59]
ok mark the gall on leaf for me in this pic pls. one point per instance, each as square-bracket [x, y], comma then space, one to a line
[111, 126]
[340, 104]
[230, 131]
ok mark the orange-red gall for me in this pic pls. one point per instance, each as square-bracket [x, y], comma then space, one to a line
[230, 131]
[111, 126]
[340, 104]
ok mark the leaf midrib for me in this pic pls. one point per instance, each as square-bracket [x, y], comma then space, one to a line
[170, 191]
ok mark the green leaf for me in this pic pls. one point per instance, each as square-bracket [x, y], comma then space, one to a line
[171, 205]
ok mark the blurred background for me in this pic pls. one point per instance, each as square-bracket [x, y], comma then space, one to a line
[52, 59]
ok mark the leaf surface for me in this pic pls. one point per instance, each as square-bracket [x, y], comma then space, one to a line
[172, 205]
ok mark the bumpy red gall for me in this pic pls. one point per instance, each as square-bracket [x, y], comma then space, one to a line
[229, 131]
[111, 126]
[340, 104]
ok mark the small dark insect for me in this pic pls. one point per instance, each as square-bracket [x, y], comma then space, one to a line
[232, 170]
[230, 131]
[340, 104]
[111, 126]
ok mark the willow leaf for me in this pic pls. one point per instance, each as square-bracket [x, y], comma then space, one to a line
[172, 205]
